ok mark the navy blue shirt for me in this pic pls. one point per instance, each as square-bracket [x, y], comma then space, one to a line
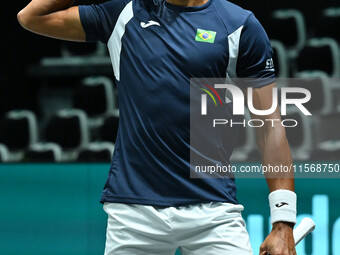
[154, 52]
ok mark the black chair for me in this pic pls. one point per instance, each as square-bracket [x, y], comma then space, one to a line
[68, 128]
[95, 95]
[328, 25]
[320, 54]
[326, 132]
[96, 152]
[319, 85]
[288, 26]
[327, 138]
[44, 152]
[18, 130]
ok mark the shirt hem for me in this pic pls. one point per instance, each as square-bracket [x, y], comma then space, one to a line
[152, 202]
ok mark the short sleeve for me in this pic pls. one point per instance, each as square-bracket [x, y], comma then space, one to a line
[255, 55]
[99, 20]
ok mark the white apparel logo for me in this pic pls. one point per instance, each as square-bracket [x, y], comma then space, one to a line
[150, 23]
[269, 63]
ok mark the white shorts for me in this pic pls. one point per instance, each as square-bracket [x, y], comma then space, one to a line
[210, 229]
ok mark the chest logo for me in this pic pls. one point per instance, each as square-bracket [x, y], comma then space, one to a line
[205, 36]
[150, 23]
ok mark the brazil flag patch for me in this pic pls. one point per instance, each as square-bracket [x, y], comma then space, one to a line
[205, 36]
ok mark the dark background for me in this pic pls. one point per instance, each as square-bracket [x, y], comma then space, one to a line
[26, 84]
[21, 49]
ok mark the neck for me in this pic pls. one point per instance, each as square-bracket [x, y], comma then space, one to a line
[187, 2]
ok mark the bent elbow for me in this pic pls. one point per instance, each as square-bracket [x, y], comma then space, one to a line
[23, 19]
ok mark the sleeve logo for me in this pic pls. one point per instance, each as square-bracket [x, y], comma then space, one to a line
[269, 63]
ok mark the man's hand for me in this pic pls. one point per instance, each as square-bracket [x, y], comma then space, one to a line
[280, 241]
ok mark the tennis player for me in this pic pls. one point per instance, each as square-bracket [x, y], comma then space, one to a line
[156, 46]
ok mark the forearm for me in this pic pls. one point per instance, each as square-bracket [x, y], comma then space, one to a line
[43, 7]
[275, 152]
[53, 18]
[37, 12]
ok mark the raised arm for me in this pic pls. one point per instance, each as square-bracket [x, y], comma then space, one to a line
[53, 18]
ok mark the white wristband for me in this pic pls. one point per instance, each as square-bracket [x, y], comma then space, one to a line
[282, 206]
